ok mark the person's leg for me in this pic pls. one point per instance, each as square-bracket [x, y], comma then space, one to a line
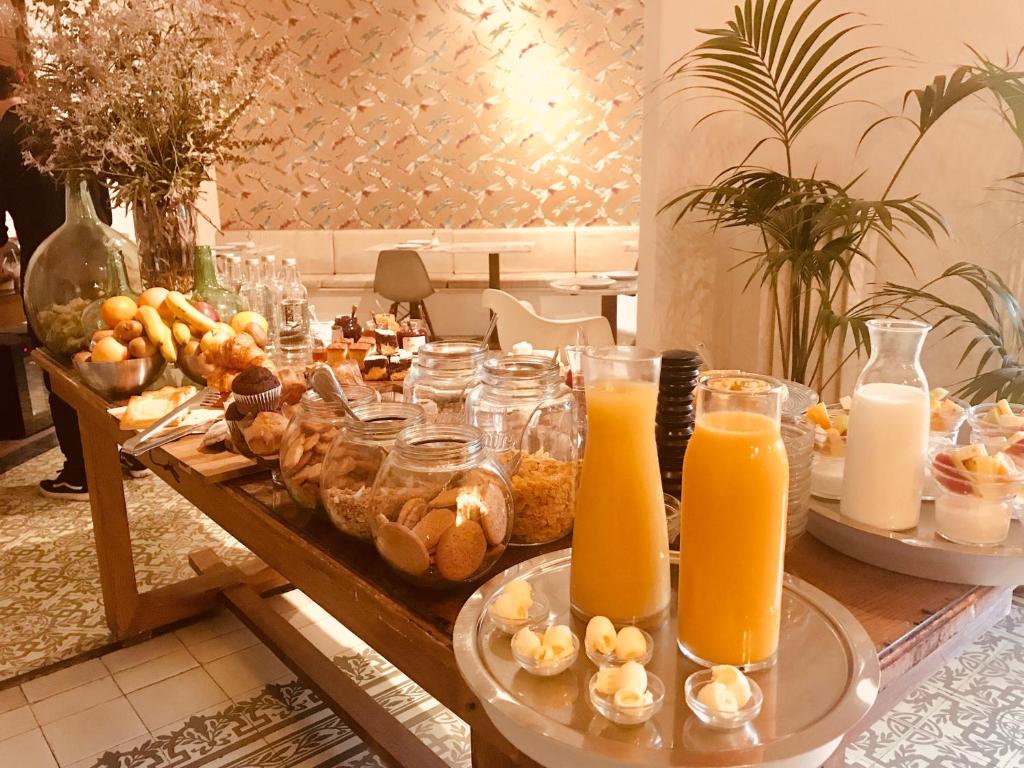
[70, 483]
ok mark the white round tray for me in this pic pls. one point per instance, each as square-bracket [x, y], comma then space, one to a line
[920, 551]
[824, 682]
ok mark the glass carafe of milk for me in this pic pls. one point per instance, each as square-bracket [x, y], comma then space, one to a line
[887, 439]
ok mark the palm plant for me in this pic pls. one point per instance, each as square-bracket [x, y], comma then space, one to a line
[996, 332]
[786, 68]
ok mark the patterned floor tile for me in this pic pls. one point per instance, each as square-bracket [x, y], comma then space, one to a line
[969, 713]
[50, 608]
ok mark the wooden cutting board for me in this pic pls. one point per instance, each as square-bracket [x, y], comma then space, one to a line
[212, 467]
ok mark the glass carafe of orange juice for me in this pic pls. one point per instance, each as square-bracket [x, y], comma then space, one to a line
[733, 527]
[620, 566]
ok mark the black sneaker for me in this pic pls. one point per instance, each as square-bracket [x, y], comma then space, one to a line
[64, 486]
[133, 467]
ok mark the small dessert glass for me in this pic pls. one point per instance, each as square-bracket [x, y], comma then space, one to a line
[984, 431]
[672, 506]
[548, 668]
[638, 715]
[827, 468]
[612, 660]
[538, 614]
[713, 718]
[972, 508]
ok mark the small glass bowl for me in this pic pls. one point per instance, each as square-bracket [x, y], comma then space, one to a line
[721, 721]
[611, 660]
[537, 615]
[607, 708]
[672, 506]
[540, 669]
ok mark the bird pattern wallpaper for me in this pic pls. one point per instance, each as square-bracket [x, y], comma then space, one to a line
[443, 114]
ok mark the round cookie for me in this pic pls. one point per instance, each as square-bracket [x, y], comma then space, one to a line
[447, 498]
[402, 548]
[412, 512]
[460, 551]
[433, 525]
[495, 520]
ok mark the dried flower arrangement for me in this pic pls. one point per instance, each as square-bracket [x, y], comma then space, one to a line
[145, 96]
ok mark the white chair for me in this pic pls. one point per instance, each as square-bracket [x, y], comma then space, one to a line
[517, 322]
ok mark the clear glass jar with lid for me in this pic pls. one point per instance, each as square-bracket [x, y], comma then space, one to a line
[528, 417]
[313, 427]
[441, 509]
[442, 375]
[354, 459]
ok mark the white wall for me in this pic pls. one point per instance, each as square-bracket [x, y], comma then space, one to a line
[691, 292]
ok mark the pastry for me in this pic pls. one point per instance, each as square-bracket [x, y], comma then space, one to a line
[375, 367]
[386, 340]
[433, 526]
[402, 548]
[151, 406]
[358, 351]
[263, 436]
[293, 385]
[256, 389]
[399, 365]
[461, 550]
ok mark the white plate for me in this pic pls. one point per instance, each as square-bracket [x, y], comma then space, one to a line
[624, 275]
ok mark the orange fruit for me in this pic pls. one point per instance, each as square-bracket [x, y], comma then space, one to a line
[117, 308]
[109, 350]
[818, 414]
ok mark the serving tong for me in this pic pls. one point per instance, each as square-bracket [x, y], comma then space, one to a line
[148, 439]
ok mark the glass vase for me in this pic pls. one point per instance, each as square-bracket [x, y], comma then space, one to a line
[208, 288]
[887, 439]
[166, 235]
[73, 270]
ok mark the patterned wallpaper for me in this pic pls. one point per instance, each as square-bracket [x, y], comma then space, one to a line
[445, 113]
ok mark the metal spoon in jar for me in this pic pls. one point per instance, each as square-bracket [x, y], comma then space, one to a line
[322, 380]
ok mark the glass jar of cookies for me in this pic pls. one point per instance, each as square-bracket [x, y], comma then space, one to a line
[441, 511]
[309, 434]
[528, 417]
[442, 375]
[354, 459]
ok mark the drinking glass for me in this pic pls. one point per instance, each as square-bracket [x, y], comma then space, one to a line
[735, 489]
[620, 565]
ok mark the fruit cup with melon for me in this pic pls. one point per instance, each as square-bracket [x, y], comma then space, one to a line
[976, 493]
[830, 423]
[995, 424]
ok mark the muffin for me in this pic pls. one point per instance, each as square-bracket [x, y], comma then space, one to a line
[256, 389]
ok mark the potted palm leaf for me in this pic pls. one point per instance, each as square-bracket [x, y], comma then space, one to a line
[786, 64]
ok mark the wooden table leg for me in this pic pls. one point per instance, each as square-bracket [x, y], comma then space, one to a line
[110, 525]
[494, 270]
[610, 311]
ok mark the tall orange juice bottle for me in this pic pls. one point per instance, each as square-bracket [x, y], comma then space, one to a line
[733, 526]
[620, 566]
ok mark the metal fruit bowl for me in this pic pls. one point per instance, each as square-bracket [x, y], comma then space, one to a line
[121, 379]
[194, 368]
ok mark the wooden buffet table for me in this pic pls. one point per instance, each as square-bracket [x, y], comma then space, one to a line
[917, 625]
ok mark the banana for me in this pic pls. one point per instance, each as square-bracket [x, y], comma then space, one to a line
[188, 314]
[182, 333]
[157, 332]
